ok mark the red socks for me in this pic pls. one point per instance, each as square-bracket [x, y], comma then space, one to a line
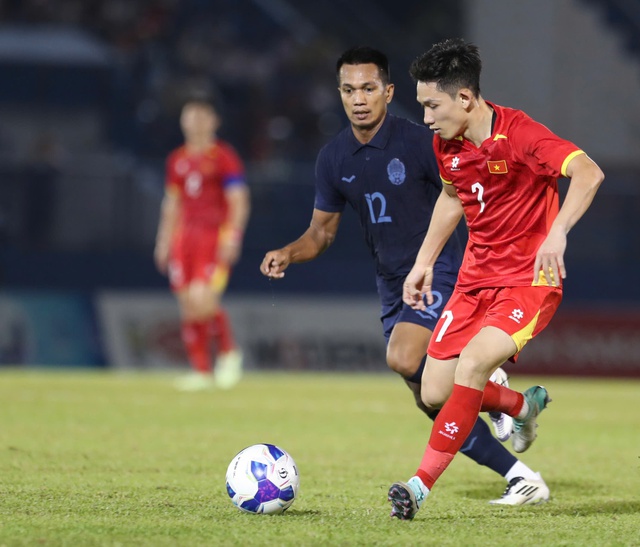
[455, 421]
[450, 429]
[221, 332]
[195, 336]
[502, 399]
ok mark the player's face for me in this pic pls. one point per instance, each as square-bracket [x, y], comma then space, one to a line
[364, 96]
[445, 115]
[198, 121]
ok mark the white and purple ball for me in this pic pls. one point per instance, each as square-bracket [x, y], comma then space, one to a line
[262, 478]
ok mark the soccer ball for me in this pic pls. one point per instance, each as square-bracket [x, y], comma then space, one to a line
[262, 478]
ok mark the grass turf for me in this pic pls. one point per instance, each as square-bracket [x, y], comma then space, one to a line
[110, 459]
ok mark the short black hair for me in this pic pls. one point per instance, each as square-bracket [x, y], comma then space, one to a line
[363, 55]
[203, 100]
[204, 95]
[452, 64]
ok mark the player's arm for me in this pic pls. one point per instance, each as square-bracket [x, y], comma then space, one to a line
[446, 216]
[169, 213]
[315, 240]
[232, 233]
[585, 177]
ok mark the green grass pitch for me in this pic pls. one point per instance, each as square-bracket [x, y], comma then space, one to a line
[122, 459]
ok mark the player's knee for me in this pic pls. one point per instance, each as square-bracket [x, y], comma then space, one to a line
[422, 406]
[433, 397]
[195, 310]
[189, 312]
[473, 370]
[433, 400]
[202, 303]
[400, 360]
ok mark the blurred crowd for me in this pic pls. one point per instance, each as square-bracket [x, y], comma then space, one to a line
[75, 135]
[271, 63]
[273, 98]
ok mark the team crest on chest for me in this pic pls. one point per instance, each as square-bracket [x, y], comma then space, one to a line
[396, 171]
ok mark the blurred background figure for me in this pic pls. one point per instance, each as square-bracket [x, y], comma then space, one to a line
[204, 215]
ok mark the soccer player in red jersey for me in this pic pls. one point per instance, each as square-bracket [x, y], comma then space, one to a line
[204, 214]
[385, 169]
[500, 169]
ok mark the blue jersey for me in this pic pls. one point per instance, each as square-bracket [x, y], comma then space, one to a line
[392, 183]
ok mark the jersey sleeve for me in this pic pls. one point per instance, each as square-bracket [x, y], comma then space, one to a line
[173, 182]
[327, 198]
[543, 150]
[233, 168]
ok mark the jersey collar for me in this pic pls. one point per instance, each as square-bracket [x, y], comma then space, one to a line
[496, 124]
[380, 139]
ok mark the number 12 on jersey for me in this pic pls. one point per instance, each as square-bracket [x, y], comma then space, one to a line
[381, 217]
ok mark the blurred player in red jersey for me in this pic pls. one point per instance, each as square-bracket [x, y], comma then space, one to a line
[203, 217]
[500, 169]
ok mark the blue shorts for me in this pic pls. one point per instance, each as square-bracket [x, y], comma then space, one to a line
[394, 310]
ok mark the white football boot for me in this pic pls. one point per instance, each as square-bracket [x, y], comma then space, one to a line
[195, 381]
[228, 369]
[522, 491]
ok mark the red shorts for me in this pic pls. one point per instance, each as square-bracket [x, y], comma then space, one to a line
[194, 257]
[521, 312]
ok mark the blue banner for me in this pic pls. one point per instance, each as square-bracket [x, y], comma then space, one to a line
[48, 329]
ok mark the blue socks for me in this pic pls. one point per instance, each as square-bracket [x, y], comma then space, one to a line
[483, 448]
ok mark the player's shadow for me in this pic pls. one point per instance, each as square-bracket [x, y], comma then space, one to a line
[593, 508]
[303, 513]
[606, 502]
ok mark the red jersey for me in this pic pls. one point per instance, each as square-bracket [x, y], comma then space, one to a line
[509, 192]
[201, 180]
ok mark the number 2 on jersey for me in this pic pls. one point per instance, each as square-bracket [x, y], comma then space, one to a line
[477, 187]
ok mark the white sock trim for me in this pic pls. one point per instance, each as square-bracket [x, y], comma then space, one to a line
[519, 469]
[523, 411]
[417, 481]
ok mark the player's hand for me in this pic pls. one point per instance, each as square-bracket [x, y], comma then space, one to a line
[275, 263]
[161, 257]
[416, 286]
[550, 258]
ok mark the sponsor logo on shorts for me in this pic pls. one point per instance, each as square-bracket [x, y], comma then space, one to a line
[517, 315]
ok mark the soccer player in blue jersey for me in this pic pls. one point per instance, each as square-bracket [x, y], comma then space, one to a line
[385, 168]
